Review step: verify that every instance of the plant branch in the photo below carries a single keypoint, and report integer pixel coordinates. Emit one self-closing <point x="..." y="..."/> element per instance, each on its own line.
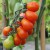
<point x="39" y="23"/>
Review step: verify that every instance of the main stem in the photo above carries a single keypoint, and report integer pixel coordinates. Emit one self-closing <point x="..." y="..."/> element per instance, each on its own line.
<point x="39" y="23"/>
<point x="7" y="12"/>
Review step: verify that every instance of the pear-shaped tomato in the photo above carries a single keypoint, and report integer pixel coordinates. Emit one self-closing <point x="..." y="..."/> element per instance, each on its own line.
<point x="17" y="40"/>
<point x="8" y="43"/>
<point x="32" y="6"/>
<point x="31" y="16"/>
<point x="27" y="25"/>
<point x="6" y="30"/>
<point x="22" y="33"/>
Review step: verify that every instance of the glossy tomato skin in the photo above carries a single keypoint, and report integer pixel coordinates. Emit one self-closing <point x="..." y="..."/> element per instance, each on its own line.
<point x="27" y="25"/>
<point x="33" y="6"/>
<point x="22" y="33"/>
<point x="23" y="42"/>
<point x="31" y="16"/>
<point x="30" y="32"/>
<point x="6" y="31"/>
<point x="17" y="40"/>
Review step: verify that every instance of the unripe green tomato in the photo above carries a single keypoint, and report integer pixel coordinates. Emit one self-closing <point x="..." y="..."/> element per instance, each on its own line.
<point x="8" y="43"/>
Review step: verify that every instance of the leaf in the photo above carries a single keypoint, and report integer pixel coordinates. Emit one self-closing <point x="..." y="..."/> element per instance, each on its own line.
<point x="26" y="1"/>
<point x="0" y="40"/>
<point x="12" y="4"/>
<point x="0" y="17"/>
<point x="17" y="48"/>
<point x="18" y="6"/>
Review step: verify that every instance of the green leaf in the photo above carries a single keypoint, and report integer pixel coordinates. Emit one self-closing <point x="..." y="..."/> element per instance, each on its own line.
<point x="0" y="40"/>
<point x="17" y="48"/>
<point x="26" y="1"/>
<point x="12" y="4"/>
<point x="18" y="6"/>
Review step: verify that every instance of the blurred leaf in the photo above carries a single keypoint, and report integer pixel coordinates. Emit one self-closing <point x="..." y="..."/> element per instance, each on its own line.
<point x="0" y="40"/>
<point x="26" y="1"/>
<point x="0" y="17"/>
<point x="12" y="4"/>
<point x="47" y="1"/>
<point x="17" y="48"/>
<point x="18" y="6"/>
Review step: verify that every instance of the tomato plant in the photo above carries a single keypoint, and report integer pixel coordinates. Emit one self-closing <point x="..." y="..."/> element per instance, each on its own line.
<point x="22" y="25"/>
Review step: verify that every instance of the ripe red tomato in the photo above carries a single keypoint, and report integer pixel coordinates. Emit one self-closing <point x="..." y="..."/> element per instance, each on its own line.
<point x="23" y="42"/>
<point x="17" y="40"/>
<point x="31" y="16"/>
<point x="27" y="25"/>
<point x="6" y="30"/>
<point x="22" y="33"/>
<point x="33" y="6"/>
<point x="30" y="32"/>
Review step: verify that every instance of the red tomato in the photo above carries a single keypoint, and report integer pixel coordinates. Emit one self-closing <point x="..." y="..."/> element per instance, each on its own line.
<point x="27" y="25"/>
<point x="22" y="33"/>
<point x="23" y="42"/>
<point x="33" y="6"/>
<point x="31" y="16"/>
<point x="30" y="32"/>
<point x="6" y="30"/>
<point x="17" y="40"/>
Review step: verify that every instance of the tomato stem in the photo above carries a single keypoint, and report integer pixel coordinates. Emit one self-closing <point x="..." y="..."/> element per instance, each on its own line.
<point x="42" y="8"/>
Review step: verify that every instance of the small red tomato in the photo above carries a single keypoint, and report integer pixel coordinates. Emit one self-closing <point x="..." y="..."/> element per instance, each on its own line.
<point x="27" y="25"/>
<point x="30" y="32"/>
<point x="23" y="42"/>
<point x="17" y="40"/>
<point x="6" y="30"/>
<point x="22" y="33"/>
<point x="31" y="16"/>
<point x="33" y="6"/>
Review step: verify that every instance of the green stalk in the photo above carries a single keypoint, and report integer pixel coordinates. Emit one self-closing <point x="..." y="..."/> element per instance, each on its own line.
<point x="39" y="23"/>
<point x="7" y="12"/>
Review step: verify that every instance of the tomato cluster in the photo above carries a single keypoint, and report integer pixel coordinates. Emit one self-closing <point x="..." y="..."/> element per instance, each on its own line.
<point x="27" y="24"/>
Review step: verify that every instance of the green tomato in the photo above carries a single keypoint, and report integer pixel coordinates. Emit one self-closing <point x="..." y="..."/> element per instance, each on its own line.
<point x="8" y="43"/>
